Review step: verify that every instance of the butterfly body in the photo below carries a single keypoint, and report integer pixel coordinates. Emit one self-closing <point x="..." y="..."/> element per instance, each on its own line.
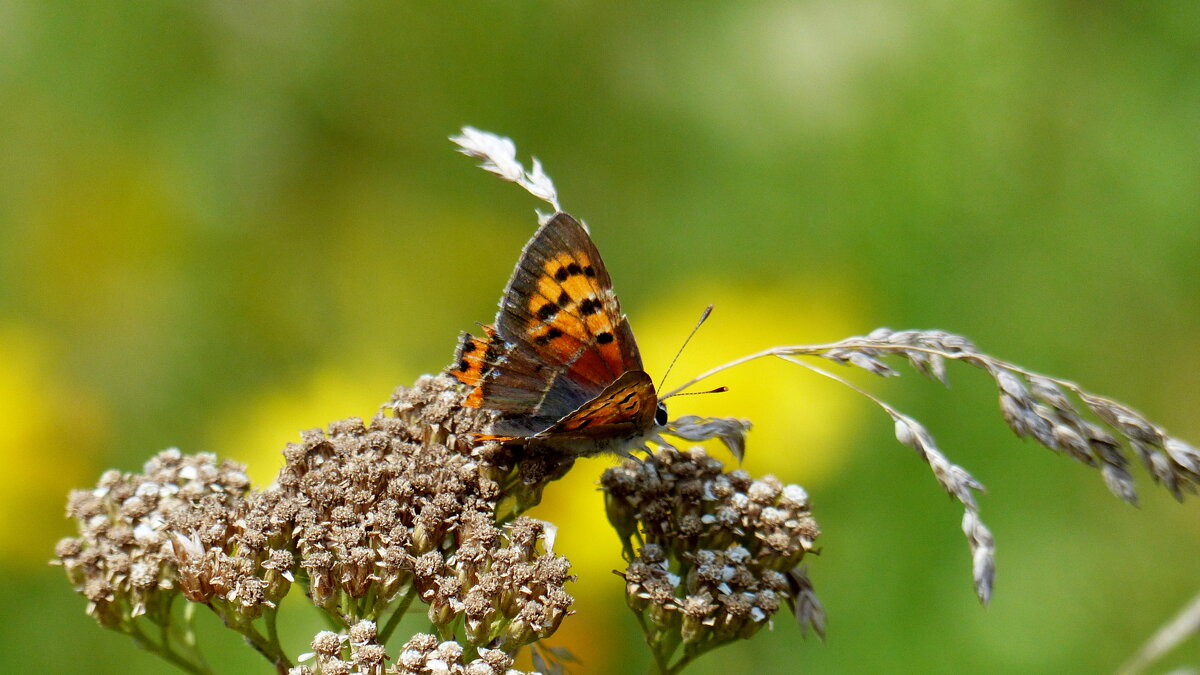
<point x="560" y="364"/>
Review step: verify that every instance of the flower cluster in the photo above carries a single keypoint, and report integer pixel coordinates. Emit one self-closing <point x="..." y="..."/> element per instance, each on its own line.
<point x="432" y="412"/>
<point x="359" y="652"/>
<point x="123" y="559"/>
<point x="384" y="519"/>
<point x="367" y="518"/>
<point x="717" y="553"/>
<point x="133" y="530"/>
<point x="424" y="654"/>
<point x="356" y="651"/>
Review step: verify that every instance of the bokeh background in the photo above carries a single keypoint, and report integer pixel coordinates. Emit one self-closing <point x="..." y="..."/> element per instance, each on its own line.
<point x="225" y="222"/>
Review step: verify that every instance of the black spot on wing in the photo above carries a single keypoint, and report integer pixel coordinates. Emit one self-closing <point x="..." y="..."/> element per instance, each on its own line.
<point x="589" y="306"/>
<point x="560" y="250"/>
<point x="495" y="349"/>
<point x="549" y="335"/>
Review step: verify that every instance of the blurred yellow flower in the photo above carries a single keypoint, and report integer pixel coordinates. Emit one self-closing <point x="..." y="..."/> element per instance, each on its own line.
<point x="256" y="431"/>
<point x="48" y="441"/>
<point x="801" y="421"/>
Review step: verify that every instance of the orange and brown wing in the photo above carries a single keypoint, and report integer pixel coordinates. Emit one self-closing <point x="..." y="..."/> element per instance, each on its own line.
<point x="560" y="307"/>
<point x="498" y="378"/>
<point x="473" y="360"/>
<point x="624" y="408"/>
<point x="560" y="338"/>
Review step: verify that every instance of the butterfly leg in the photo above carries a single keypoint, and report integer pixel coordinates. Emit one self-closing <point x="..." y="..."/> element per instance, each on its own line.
<point x="627" y="453"/>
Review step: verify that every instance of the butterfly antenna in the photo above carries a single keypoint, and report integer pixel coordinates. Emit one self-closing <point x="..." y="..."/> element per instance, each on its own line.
<point x="703" y="318"/>
<point x="717" y="390"/>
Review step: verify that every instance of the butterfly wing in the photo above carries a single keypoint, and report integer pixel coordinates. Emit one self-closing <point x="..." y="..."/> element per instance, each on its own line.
<point x="479" y="362"/>
<point x="625" y="408"/>
<point x="559" y="339"/>
<point x="560" y="305"/>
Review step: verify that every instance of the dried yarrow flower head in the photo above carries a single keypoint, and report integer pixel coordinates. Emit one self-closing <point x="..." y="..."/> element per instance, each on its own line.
<point x="712" y="554"/>
<point x="359" y="652"/>
<point x="405" y="509"/>
<point x="356" y="651"/>
<point x="126" y="560"/>
<point x="238" y="562"/>
<point x="423" y="653"/>
<point x="433" y="410"/>
<point x="368" y="518"/>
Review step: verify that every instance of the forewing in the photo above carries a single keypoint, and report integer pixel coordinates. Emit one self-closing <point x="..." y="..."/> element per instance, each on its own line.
<point x="563" y="338"/>
<point x="561" y="303"/>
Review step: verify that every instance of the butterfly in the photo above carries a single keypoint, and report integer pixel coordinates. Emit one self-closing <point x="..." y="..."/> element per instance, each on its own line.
<point x="560" y="364"/>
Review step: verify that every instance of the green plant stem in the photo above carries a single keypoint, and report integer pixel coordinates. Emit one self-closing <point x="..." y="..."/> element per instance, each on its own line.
<point x="164" y="650"/>
<point x="660" y="660"/>
<point x="367" y="609"/>
<point x="272" y="651"/>
<point x="185" y="636"/>
<point x="332" y="620"/>
<point x="690" y="653"/>
<point x="269" y="648"/>
<point x="269" y="617"/>
<point x="401" y="607"/>
<point x="470" y="652"/>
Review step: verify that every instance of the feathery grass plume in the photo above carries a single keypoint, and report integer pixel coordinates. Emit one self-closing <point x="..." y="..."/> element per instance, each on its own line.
<point x="730" y="431"/>
<point x="712" y="554"/>
<point x="499" y="156"/>
<point x="1033" y="405"/>
<point x="1041" y="407"/>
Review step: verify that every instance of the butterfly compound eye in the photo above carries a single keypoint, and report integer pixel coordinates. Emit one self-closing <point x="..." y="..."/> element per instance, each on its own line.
<point x="660" y="415"/>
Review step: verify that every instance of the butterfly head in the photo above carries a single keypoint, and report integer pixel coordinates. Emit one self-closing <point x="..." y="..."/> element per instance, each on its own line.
<point x="660" y="414"/>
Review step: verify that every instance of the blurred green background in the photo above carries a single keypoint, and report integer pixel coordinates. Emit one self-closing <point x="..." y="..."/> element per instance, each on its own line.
<point x="225" y="222"/>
